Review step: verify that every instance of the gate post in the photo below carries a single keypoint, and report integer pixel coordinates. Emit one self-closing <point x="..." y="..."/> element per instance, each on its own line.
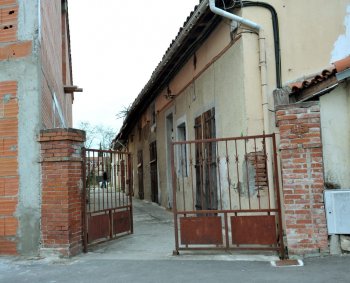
<point x="303" y="180"/>
<point x="62" y="184"/>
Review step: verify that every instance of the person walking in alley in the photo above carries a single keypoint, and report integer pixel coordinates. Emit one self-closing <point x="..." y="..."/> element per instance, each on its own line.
<point x="104" y="181"/>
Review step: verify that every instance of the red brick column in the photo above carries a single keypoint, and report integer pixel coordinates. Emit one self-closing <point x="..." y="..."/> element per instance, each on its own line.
<point x="61" y="220"/>
<point x="302" y="175"/>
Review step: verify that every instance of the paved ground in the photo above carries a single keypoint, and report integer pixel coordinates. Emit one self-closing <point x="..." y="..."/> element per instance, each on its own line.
<point x="146" y="256"/>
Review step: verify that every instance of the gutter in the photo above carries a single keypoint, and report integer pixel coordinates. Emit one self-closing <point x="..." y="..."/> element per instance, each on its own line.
<point x="148" y="92"/>
<point x="262" y="56"/>
<point x="232" y="17"/>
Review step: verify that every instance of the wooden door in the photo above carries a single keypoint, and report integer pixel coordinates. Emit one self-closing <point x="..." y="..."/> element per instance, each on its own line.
<point x="140" y="173"/>
<point x="206" y="176"/>
<point x="153" y="171"/>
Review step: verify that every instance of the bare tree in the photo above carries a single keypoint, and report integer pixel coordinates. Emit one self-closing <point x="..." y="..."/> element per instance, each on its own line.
<point x="105" y="135"/>
<point x="97" y="135"/>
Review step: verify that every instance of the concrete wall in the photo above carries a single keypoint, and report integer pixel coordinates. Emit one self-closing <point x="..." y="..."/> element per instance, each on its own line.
<point x="21" y="67"/>
<point x="30" y="64"/>
<point x="335" y="109"/>
<point x="307" y="45"/>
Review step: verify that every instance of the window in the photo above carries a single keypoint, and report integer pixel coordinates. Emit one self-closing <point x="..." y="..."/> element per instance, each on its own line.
<point x="139" y="130"/>
<point x="182" y="150"/>
<point x="153" y="114"/>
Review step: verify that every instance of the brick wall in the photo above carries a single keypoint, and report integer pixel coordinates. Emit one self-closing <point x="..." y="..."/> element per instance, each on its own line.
<point x="8" y="167"/>
<point x="61" y="222"/>
<point x="8" y="20"/>
<point x="55" y="57"/>
<point x="10" y="47"/>
<point x="302" y="174"/>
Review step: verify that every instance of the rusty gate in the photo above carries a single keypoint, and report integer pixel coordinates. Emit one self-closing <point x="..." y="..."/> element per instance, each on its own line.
<point x="107" y="192"/>
<point x="226" y="194"/>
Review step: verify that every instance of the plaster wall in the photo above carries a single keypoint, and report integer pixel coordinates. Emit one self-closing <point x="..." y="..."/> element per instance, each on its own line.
<point x="217" y="84"/>
<point x="309" y="32"/>
<point x="335" y="119"/>
<point x="26" y="72"/>
<point x="228" y="77"/>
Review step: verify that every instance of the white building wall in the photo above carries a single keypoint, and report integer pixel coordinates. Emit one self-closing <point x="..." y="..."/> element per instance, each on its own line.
<point x="335" y="121"/>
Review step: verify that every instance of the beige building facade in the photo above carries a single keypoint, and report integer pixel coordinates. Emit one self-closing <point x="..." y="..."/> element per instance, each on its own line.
<point x="227" y="71"/>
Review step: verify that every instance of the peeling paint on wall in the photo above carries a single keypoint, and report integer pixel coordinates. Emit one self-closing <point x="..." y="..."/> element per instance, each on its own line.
<point x="342" y="45"/>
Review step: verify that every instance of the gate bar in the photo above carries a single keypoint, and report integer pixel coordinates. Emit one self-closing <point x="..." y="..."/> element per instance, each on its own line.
<point x="277" y="188"/>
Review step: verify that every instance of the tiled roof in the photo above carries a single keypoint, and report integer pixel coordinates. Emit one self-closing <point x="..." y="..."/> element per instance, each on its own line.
<point x="337" y="67"/>
<point x="197" y="27"/>
<point x="139" y="97"/>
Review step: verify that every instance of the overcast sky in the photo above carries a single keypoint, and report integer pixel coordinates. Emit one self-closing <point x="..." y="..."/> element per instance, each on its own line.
<point x="116" y="45"/>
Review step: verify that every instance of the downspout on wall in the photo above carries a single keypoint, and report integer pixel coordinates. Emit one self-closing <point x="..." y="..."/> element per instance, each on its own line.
<point x="262" y="56"/>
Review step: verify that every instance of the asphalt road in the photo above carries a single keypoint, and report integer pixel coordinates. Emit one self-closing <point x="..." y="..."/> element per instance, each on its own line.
<point x="146" y="256"/>
<point x="328" y="269"/>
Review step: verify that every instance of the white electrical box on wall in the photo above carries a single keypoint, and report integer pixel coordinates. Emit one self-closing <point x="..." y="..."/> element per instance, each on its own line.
<point x="337" y="203"/>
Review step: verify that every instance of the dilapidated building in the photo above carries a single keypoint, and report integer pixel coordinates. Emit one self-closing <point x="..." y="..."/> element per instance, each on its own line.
<point x="203" y="130"/>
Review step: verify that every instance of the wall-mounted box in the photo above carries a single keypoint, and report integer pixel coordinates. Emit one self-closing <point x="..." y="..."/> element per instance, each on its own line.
<point x="337" y="204"/>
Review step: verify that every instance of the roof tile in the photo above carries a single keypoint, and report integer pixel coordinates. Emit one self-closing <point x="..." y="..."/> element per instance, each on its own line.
<point x="337" y="67"/>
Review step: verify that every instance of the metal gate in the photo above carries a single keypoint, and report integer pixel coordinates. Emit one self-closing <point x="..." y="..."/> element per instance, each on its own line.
<point x="107" y="209"/>
<point x="230" y="198"/>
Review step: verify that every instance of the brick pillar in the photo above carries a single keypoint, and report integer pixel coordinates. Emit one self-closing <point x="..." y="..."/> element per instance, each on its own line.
<point x="61" y="220"/>
<point x="302" y="175"/>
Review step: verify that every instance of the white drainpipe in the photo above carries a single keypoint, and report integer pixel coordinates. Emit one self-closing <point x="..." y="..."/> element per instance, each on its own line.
<point x="262" y="56"/>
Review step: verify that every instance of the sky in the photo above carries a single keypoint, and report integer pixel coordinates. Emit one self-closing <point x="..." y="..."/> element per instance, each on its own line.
<point x="115" y="47"/>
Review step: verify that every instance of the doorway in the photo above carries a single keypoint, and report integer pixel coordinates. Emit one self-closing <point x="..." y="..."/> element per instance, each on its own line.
<point x="205" y="166"/>
<point x="153" y="171"/>
<point x="169" y="140"/>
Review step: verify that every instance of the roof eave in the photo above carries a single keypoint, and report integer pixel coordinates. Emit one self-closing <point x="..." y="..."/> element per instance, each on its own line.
<point x="176" y="56"/>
